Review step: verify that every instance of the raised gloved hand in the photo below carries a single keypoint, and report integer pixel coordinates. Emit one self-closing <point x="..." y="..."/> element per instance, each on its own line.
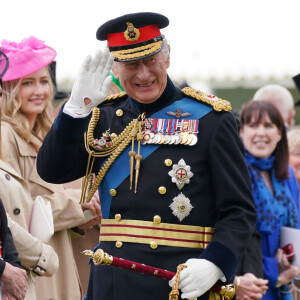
<point x="92" y="84"/>
<point x="199" y="276"/>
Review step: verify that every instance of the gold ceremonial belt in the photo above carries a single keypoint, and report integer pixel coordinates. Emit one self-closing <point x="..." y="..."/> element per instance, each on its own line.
<point x="153" y="234"/>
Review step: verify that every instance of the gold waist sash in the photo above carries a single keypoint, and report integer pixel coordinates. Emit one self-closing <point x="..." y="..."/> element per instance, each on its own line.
<point x="164" y="234"/>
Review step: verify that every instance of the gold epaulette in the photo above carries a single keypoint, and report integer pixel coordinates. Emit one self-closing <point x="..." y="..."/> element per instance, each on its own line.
<point x="115" y="96"/>
<point x="217" y="104"/>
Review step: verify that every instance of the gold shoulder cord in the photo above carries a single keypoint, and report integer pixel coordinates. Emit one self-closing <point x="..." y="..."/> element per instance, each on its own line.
<point x="218" y="104"/>
<point x="117" y="145"/>
<point x="115" y="96"/>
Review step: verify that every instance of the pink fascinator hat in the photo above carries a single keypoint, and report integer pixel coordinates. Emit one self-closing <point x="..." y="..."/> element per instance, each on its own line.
<point x="26" y="57"/>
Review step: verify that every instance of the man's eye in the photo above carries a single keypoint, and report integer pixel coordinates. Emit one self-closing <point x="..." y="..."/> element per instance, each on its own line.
<point x="131" y="64"/>
<point x="149" y="60"/>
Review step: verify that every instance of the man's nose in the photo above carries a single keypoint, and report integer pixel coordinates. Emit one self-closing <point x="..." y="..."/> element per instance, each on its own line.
<point x="143" y="71"/>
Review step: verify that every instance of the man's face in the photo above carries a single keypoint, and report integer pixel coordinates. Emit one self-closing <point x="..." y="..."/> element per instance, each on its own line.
<point x="144" y="80"/>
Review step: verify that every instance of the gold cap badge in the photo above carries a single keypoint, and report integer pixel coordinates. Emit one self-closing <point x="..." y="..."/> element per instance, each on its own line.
<point x="131" y="34"/>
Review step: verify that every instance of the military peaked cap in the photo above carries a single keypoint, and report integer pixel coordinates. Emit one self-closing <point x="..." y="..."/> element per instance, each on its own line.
<point x="133" y="36"/>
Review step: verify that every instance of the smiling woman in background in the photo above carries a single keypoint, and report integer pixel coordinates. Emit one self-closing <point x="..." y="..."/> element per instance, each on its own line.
<point x="263" y="133"/>
<point x="26" y="118"/>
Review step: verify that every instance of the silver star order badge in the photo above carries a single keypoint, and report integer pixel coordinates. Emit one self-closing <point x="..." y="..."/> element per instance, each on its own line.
<point x="181" y="206"/>
<point x="181" y="174"/>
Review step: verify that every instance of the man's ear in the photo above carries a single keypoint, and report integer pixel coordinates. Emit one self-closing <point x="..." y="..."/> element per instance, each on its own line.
<point x="290" y="119"/>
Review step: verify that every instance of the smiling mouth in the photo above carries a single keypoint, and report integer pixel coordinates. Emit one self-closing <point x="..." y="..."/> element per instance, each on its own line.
<point x="261" y="144"/>
<point x="36" y="100"/>
<point x="146" y="85"/>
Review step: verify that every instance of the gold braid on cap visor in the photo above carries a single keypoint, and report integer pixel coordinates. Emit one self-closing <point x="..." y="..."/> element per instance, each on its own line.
<point x="137" y="52"/>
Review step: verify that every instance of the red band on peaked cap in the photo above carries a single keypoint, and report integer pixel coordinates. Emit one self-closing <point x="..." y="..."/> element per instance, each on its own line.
<point x="146" y="33"/>
<point x="139" y="20"/>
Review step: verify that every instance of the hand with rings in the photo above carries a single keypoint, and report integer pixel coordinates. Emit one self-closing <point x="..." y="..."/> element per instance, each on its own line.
<point x="287" y="272"/>
<point x="250" y="287"/>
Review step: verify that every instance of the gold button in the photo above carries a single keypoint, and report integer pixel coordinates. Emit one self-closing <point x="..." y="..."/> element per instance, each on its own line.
<point x="119" y="244"/>
<point x="156" y="219"/>
<point x="113" y="192"/>
<point x="119" y="112"/>
<point x="168" y="162"/>
<point x="162" y="190"/>
<point x="118" y="217"/>
<point x="153" y="244"/>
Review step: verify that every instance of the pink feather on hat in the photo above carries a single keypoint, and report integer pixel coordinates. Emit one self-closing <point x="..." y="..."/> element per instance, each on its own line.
<point x="26" y="57"/>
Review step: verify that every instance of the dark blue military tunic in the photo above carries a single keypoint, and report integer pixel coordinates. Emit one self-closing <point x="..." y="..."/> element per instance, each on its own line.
<point x="219" y="192"/>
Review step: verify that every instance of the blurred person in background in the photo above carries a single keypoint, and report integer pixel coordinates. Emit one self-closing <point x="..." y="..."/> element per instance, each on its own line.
<point x="281" y="98"/>
<point x="13" y="279"/>
<point x="26" y="118"/>
<point x="294" y="150"/>
<point x="293" y="136"/>
<point x="264" y="135"/>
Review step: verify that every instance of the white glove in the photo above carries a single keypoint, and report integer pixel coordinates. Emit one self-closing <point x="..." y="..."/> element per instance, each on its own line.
<point x="199" y="276"/>
<point x="92" y="84"/>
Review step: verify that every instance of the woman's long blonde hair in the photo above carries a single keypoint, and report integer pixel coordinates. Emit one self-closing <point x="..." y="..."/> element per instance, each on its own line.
<point x="11" y="113"/>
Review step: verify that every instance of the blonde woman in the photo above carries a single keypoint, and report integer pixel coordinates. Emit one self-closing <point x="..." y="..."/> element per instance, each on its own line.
<point x="26" y="118"/>
<point x="293" y="136"/>
<point x="13" y="279"/>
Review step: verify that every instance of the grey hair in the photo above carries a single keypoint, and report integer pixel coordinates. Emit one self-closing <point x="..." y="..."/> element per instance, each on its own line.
<point x="278" y="96"/>
<point x="166" y="48"/>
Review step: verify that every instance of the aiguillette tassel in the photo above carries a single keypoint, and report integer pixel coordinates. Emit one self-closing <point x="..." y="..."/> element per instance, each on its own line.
<point x="138" y="157"/>
<point x="132" y="154"/>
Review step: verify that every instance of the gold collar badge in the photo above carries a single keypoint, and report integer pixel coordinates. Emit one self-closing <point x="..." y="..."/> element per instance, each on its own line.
<point x="131" y="34"/>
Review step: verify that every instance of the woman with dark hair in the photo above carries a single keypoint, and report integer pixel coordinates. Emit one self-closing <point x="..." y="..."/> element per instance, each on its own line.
<point x="263" y="133"/>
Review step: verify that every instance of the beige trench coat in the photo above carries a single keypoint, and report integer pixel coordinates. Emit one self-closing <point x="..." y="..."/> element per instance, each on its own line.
<point x="90" y="241"/>
<point x="17" y="201"/>
<point x="67" y="214"/>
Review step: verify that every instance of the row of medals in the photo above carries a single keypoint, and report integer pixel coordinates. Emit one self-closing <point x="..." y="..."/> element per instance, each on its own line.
<point x="175" y="138"/>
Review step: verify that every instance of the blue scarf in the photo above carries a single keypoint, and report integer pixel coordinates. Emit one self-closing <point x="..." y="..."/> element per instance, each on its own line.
<point x="273" y="210"/>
